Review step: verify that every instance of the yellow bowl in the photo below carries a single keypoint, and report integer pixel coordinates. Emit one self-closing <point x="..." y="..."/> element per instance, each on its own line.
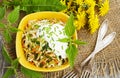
<point x="19" y="50"/>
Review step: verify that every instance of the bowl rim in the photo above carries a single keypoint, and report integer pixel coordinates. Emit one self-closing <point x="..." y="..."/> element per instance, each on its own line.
<point x="19" y="49"/>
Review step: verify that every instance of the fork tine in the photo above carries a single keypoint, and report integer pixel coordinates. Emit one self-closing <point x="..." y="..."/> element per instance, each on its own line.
<point x="82" y="75"/>
<point x="71" y="74"/>
<point x="87" y="74"/>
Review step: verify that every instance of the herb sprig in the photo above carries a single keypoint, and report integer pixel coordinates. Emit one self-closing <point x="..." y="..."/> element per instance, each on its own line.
<point x="13" y="67"/>
<point x="8" y="28"/>
<point x="72" y="50"/>
<point x="2" y="12"/>
<point x="30" y="6"/>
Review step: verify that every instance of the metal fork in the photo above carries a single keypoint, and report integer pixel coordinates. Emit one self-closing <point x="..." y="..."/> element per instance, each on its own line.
<point x="101" y="43"/>
<point x="71" y="74"/>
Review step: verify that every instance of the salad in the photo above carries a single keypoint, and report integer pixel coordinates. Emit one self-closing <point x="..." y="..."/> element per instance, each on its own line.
<point x="41" y="45"/>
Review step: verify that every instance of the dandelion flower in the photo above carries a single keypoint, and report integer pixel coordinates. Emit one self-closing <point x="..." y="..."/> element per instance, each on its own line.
<point x="81" y="20"/>
<point x="76" y="24"/>
<point x="93" y="24"/>
<point x="99" y="0"/>
<point x="69" y="3"/>
<point x="104" y="8"/>
<point x="90" y="2"/>
<point x="80" y="9"/>
<point x="91" y="8"/>
<point x="90" y="11"/>
<point x="86" y="12"/>
<point x="79" y="2"/>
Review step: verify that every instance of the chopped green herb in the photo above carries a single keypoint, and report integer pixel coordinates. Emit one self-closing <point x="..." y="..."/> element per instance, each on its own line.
<point x="37" y="42"/>
<point x="36" y="26"/>
<point x="60" y="32"/>
<point x="55" y="28"/>
<point x="62" y="47"/>
<point x="48" y="36"/>
<point x="34" y="40"/>
<point x="52" y="39"/>
<point x="45" y="47"/>
<point x="47" y="29"/>
<point x="53" y="45"/>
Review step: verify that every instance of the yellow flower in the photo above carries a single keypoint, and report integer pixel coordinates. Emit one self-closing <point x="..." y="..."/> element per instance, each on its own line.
<point x="91" y="8"/>
<point x="69" y="3"/>
<point x="80" y="9"/>
<point x="85" y="12"/>
<point x="81" y="20"/>
<point x="100" y="0"/>
<point x="104" y="8"/>
<point x="91" y="11"/>
<point x="90" y="2"/>
<point x="69" y="7"/>
<point x="79" y="2"/>
<point x="93" y="24"/>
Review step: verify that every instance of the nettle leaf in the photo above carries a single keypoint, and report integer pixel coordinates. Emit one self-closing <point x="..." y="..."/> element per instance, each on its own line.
<point x="6" y="55"/>
<point x="2" y="12"/>
<point x="78" y="42"/>
<point x="9" y="72"/>
<point x="71" y="52"/>
<point x="15" y="63"/>
<point x="13" y="29"/>
<point x="69" y="27"/>
<point x="30" y="74"/>
<point x="41" y="5"/>
<point x="64" y="40"/>
<point x="2" y="25"/>
<point x="15" y="3"/>
<point x="7" y="36"/>
<point x="14" y="15"/>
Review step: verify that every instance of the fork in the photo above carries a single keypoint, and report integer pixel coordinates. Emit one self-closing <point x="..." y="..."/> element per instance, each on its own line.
<point x="71" y="74"/>
<point x="101" y="43"/>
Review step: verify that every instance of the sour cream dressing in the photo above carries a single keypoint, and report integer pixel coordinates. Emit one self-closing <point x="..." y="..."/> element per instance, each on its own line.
<point x="52" y="33"/>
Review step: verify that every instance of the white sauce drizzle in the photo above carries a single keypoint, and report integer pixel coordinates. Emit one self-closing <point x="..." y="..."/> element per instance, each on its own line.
<point x="52" y="33"/>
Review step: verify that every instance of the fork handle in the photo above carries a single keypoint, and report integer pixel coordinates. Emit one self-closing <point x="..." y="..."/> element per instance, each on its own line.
<point x="88" y="59"/>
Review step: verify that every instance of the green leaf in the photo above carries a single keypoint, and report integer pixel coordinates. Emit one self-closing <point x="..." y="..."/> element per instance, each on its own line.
<point x="7" y="36"/>
<point x="9" y="72"/>
<point x="78" y="42"/>
<point x="6" y="56"/>
<point x="69" y="27"/>
<point x="2" y="12"/>
<point x="71" y="52"/>
<point x="2" y="25"/>
<point x="41" y="5"/>
<point x="30" y="74"/>
<point x="13" y="29"/>
<point x="15" y="63"/>
<point x="6" y="3"/>
<point x="64" y="40"/>
<point x="15" y="3"/>
<point x="14" y="15"/>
